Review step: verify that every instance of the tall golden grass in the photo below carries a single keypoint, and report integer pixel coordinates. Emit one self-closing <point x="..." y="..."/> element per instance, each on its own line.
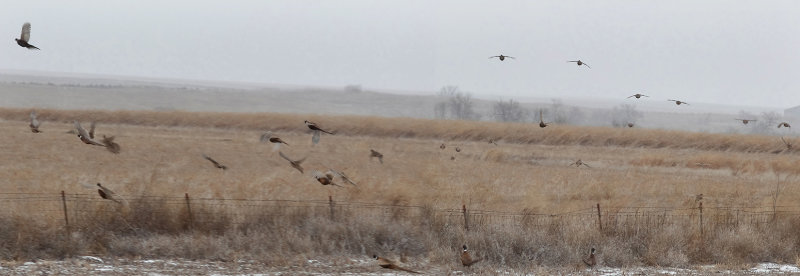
<point x="528" y="171"/>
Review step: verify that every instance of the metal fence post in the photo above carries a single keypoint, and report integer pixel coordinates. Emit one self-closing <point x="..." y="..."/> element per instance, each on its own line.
<point x="64" y="205"/>
<point x="189" y="210"/>
<point x="701" y="219"/>
<point x="599" y="218"/>
<point x="466" y="216"/>
<point x="331" y="206"/>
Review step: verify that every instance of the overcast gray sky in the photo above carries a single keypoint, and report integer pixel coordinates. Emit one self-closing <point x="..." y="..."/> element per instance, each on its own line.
<point x="727" y="52"/>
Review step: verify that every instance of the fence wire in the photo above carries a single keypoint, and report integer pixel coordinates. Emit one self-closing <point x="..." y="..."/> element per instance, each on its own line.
<point x="77" y="207"/>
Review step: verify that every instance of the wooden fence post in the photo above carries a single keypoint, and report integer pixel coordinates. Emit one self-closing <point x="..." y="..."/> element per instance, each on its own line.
<point x="466" y="216"/>
<point x="331" y="205"/>
<point x="599" y="219"/>
<point x="64" y="205"/>
<point x="189" y="210"/>
<point x="701" y="219"/>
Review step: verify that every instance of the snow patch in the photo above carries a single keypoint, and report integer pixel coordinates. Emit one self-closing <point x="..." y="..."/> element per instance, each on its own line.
<point x="92" y="258"/>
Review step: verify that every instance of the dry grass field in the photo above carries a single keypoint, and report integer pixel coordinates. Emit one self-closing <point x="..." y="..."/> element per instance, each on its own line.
<point x="526" y="172"/>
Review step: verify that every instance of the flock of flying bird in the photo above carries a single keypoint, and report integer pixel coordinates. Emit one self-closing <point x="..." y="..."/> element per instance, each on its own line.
<point x="326" y="178"/>
<point x="637" y="96"/>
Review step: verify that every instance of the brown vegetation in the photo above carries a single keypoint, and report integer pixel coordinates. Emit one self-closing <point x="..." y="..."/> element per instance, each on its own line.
<point x="632" y="170"/>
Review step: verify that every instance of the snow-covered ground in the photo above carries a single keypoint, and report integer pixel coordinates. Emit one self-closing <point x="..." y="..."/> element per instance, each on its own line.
<point x="89" y="265"/>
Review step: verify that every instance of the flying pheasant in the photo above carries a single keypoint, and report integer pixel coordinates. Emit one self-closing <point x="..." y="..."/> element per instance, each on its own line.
<point x="373" y="154"/>
<point x="745" y="121"/>
<point x="384" y="263"/>
<point x="325" y="178"/>
<point x="579" y="62"/>
<point x="313" y="126"/>
<point x="502" y="57"/>
<point x="677" y="102"/>
<point x="579" y="163"/>
<point x="216" y="164"/>
<point x="342" y="175"/>
<point x="268" y="137"/>
<point x="111" y="146"/>
<point x="630" y="124"/>
<point x="637" y="95"/>
<point x="295" y="163"/>
<point x="23" y="39"/>
<point x="85" y="136"/>
<point x="34" y="123"/>
<point x="542" y="124"/>
<point x="466" y="259"/>
<point x="783" y="124"/>
<point x="105" y="193"/>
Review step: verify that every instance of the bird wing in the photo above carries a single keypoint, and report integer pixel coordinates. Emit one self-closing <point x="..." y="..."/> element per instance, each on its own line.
<point x="91" y="129"/>
<point x="315" y="137"/>
<point x="587" y="65"/>
<point x="81" y="131"/>
<point x="494" y="57"/>
<point x="631" y="96"/>
<point x="111" y="146"/>
<point x="284" y="156"/>
<point x="672" y="100"/>
<point x="572" y="61"/>
<point x="26" y="32"/>
<point x="343" y="176"/>
<point x="510" y="57"/>
<point x="211" y="159"/>
<point x="34" y="121"/>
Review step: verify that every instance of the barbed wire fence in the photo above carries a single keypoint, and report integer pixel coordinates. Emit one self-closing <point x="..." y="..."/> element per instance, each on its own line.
<point x="75" y="209"/>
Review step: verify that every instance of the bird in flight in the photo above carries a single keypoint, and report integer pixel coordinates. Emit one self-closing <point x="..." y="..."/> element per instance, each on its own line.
<point x="579" y="62"/>
<point x="637" y="95"/>
<point x="343" y="176"/>
<point x="630" y="124"/>
<point x="677" y="102"/>
<point x="268" y="137"/>
<point x="313" y="126"/>
<point x="34" y="123"/>
<point x="466" y="259"/>
<point x="295" y="163"/>
<point x="216" y="164"/>
<point x="784" y="124"/>
<point x="746" y="121"/>
<point x="325" y="178"/>
<point x="502" y="57"/>
<point x="542" y="124"/>
<point x="375" y="154"/>
<point x="385" y="263"/>
<point x="111" y="146"/>
<point x="85" y="136"/>
<point x="23" y="39"/>
<point x="105" y="193"/>
<point x="579" y="163"/>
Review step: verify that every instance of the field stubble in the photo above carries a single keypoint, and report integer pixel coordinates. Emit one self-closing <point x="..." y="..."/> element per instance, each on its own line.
<point x="527" y="172"/>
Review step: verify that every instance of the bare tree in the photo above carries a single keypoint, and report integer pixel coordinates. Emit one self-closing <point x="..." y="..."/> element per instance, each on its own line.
<point x="562" y="114"/>
<point x="455" y="104"/>
<point x="509" y="111"/>
<point x="623" y="114"/>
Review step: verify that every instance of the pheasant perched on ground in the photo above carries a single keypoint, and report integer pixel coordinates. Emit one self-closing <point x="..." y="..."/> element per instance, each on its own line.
<point x="466" y="259"/>
<point x="384" y="263"/>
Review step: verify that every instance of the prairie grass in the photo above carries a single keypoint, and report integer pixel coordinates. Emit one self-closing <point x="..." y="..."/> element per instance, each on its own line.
<point x="527" y="172"/>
